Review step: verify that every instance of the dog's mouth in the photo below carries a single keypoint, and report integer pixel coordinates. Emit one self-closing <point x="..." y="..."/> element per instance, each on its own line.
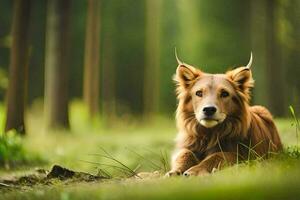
<point x="209" y="122"/>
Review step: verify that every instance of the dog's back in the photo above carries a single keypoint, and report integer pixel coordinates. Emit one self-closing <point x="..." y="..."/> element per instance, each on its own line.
<point x="263" y="133"/>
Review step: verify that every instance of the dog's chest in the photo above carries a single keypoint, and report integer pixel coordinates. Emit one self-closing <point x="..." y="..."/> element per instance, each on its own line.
<point x="222" y="146"/>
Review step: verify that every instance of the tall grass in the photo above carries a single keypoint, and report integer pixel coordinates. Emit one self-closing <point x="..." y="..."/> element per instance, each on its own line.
<point x="296" y="123"/>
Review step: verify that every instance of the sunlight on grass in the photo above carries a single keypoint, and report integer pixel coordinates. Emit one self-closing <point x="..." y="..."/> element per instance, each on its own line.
<point x="79" y="148"/>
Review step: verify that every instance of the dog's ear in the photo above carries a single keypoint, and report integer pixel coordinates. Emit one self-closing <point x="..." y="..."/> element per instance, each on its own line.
<point x="186" y="75"/>
<point x="242" y="78"/>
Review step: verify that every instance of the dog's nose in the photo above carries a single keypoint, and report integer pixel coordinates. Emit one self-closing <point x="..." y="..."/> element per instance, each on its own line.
<point x="209" y="110"/>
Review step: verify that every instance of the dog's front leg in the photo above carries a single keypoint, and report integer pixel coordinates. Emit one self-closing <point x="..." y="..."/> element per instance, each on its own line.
<point x="214" y="161"/>
<point x="181" y="161"/>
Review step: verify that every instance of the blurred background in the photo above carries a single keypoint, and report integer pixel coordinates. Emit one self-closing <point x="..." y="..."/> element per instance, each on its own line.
<point x="77" y="64"/>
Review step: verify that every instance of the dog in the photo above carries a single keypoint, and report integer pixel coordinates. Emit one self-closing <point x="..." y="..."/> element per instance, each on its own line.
<point x="216" y="125"/>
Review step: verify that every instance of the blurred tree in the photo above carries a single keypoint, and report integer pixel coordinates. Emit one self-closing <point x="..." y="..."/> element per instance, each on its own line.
<point x="77" y="39"/>
<point x="190" y="31"/>
<point x="19" y="58"/>
<point x="290" y="38"/>
<point x="56" y="64"/>
<point x="258" y="46"/>
<point x="109" y="87"/>
<point x="274" y="69"/>
<point x="37" y="53"/>
<point x="214" y="35"/>
<point x="168" y="64"/>
<point x="128" y="24"/>
<point x="91" y="58"/>
<point x="152" y="65"/>
<point x="109" y="63"/>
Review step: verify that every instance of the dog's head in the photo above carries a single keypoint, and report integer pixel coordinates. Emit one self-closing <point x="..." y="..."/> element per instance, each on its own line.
<point x="213" y="97"/>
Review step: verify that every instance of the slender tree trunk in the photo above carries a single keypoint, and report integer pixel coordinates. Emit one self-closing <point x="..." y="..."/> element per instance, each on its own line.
<point x="258" y="44"/>
<point x="292" y="51"/>
<point x="109" y="87"/>
<point x="91" y="58"/>
<point x="189" y="23"/>
<point x="19" y="58"/>
<point x="275" y="72"/>
<point x="57" y="63"/>
<point x="109" y="66"/>
<point x="151" y="76"/>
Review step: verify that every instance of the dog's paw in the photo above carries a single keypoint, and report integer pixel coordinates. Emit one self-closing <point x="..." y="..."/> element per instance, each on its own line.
<point x="195" y="172"/>
<point x="173" y="173"/>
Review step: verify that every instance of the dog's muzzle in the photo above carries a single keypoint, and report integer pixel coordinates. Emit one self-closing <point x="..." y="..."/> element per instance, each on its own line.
<point x="210" y="116"/>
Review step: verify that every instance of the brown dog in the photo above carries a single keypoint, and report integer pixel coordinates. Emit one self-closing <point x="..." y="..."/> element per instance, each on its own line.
<point x="216" y="124"/>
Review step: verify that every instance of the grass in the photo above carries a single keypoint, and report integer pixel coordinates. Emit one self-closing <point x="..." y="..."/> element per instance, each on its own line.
<point x="12" y="152"/>
<point x="11" y="149"/>
<point x="146" y="147"/>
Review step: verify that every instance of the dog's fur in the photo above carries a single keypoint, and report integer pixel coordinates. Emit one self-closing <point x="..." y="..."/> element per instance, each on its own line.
<point x="237" y="130"/>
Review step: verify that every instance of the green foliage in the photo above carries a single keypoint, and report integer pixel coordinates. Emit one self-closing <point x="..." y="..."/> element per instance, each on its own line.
<point x="292" y="152"/>
<point x="11" y="149"/>
<point x="13" y="153"/>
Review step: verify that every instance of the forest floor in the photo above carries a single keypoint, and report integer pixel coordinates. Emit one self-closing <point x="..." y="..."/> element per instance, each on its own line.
<point x="105" y="163"/>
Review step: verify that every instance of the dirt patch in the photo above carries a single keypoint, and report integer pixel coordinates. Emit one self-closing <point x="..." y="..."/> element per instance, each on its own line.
<point x="57" y="174"/>
<point x="63" y="174"/>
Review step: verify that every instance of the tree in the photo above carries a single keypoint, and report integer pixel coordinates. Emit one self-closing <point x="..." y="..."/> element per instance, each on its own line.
<point x="152" y="66"/>
<point x="19" y="58"/>
<point x="290" y="39"/>
<point x="189" y="25"/>
<point x="258" y="46"/>
<point x="57" y="63"/>
<point x="91" y="58"/>
<point x="109" y="63"/>
<point x="268" y="56"/>
<point x="274" y="69"/>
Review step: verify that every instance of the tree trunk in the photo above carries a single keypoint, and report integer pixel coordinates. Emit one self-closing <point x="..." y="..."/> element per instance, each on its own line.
<point x="190" y="33"/>
<point x="91" y="58"/>
<point x="109" y="87"/>
<point x="291" y="42"/>
<point x="258" y="45"/>
<point x="56" y="64"/>
<point x="109" y="66"/>
<point x="19" y="58"/>
<point x="275" y="72"/>
<point x="151" y="76"/>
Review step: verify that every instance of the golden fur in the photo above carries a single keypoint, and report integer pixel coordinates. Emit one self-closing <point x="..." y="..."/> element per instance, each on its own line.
<point x="247" y="132"/>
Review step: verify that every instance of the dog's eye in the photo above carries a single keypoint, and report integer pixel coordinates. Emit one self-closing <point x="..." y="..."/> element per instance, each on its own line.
<point x="224" y="94"/>
<point x="199" y="93"/>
